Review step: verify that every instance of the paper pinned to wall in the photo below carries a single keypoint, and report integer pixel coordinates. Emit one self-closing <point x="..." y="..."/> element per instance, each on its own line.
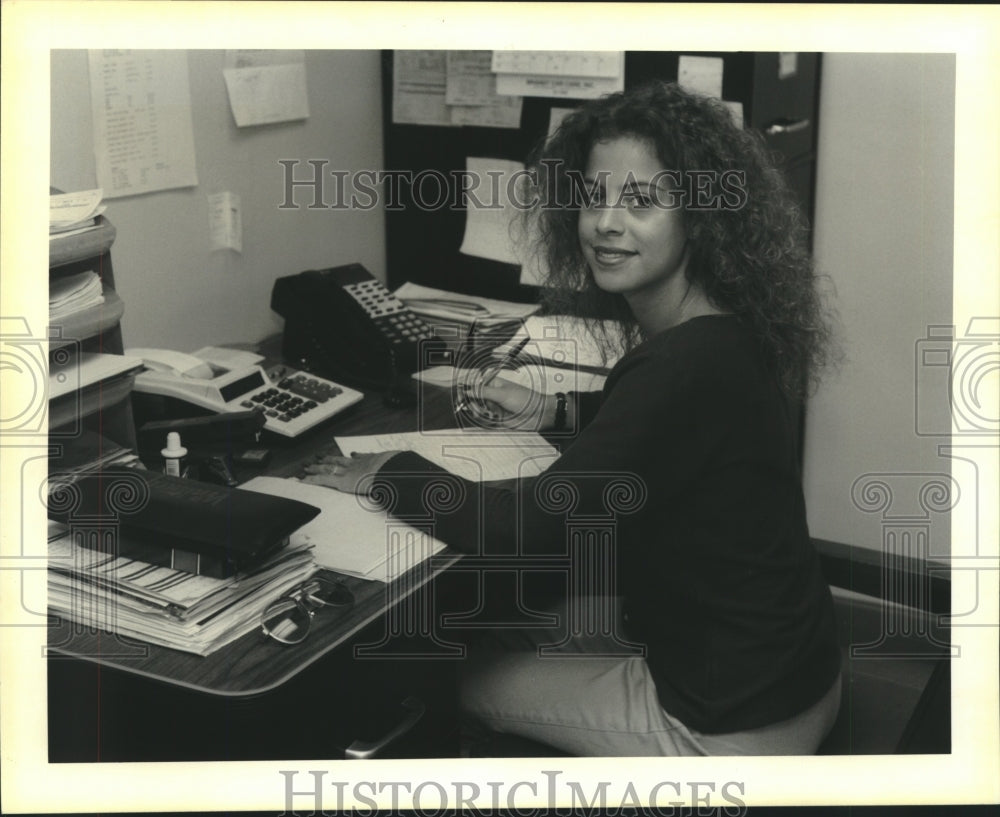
<point x="559" y="87"/>
<point x="468" y="78"/>
<point x="225" y="222"/>
<point x="700" y="75"/>
<point x="494" y="228"/>
<point x="258" y="57"/>
<point x="471" y="93"/>
<point x="608" y="64"/>
<point x="490" y="215"/>
<point x="419" y="87"/>
<point x="266" y="86"/>
<point x="141" y="106"/>
<point x="788" y="64"/>
<point x="735" y="111"/>
<point x="502" y="112"/>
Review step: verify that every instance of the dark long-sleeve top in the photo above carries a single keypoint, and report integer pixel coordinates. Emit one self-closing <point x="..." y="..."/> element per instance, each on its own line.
<point x="715" y="566"/>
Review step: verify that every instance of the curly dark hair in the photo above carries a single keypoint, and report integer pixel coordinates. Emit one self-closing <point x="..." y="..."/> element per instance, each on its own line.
<point x="750" y="256"/>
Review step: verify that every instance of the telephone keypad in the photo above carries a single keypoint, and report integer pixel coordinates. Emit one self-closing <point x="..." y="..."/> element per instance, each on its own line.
<point x="389" y="313"/>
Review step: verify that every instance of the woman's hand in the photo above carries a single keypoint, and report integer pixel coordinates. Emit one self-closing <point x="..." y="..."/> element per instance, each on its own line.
<point x="514" y="406"/>
<point x="347" y="474"/>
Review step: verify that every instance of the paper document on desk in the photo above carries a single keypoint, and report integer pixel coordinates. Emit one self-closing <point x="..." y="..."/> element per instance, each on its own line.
<point x="350" y="535"/>
<point x="567" y="340"/>
<point x="440" y="303"/>
<point x="476" y="455"/>
<point x="539" y="378"/>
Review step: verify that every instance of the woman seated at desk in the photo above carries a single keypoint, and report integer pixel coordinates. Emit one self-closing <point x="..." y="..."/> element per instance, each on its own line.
<point x="687" y="235"/>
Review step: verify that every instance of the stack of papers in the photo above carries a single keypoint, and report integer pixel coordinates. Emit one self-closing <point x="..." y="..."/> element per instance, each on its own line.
<point x="73" y="293"/>
<point x="77" y="371"/>
<point x="439" y="303"/>
<point x="172" y="608"/>
<point x="566" y="340"/>
<point x="74" y="212"/>
<point x="88" y="452"/>
<point x="350" y="535"/>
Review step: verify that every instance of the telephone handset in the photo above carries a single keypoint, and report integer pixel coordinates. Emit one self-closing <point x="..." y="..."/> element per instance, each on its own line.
<point x="227" y="380"/>
<point x="344" y="324"/>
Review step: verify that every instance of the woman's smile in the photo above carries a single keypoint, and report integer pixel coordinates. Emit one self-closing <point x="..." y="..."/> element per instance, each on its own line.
<point x="611" y="256"/>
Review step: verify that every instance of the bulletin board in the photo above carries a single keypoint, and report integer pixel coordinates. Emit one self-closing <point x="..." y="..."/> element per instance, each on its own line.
<point x="423" y="243"/>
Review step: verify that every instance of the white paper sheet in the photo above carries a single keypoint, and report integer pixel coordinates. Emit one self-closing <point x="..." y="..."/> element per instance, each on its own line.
<point x="225" y="222"/>
<point x="558" y="87"/>
<point x="545" y="380"/>
<point x="700" y="75"/>
<point x="419" y="80"/>
<point x="257" y="57"/>
<point x="69" y="209"/>
<point x="788" y="64"/>
<point x="459" y="306"/>
<point x="502" y="112"/>
<point x="349" y="535"/>
<point x="565" y="339"/>
<point x="736" y="111"/>
<point x="471" y="93"/>
<point x="488" y="228"/>
<point x="263" y="95"/>
<point x="479" y="456"/>
<point x="72" y="293"/>
<point x="141" y="106"/>
<point x="77" y="371"/>
<point x="607" y="64"/>
<point x="468" y="78"/>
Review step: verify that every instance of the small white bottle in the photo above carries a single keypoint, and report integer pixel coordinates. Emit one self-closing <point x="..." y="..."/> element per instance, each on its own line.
<point x="173" y="455"/>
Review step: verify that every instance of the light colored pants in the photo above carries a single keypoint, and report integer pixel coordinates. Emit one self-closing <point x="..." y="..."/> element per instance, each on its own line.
<point x="606" y="705"/>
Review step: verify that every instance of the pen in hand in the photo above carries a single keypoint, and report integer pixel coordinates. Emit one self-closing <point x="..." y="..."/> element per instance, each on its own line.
<point x="489" y="373"/>
<point x="504" y="362"/>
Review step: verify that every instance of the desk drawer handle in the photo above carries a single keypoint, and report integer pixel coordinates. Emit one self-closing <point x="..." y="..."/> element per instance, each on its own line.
<point x="362" y="749"/>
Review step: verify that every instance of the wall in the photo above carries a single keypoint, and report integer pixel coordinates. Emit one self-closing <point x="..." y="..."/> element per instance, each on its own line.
<point x="884" y="235"/>
<point x="161" y="254"/>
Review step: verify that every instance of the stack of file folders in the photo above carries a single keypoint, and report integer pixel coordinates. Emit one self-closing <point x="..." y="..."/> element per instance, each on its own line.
<point x="74" y="293"/>
<point x="171" y="561"/>
<point x="76" y="212"/>
<point x="161" y="605"/>
<point x="86" y="453"/>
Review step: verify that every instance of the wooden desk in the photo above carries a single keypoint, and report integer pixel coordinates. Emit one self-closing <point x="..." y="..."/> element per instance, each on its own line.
<point x="246" y="669"/>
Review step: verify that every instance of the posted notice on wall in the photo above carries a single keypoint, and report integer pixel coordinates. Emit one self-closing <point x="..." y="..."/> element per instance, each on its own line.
<point x="419" y="85"/>
<point x="141" y="105"/>
<point x="471" y="92"/>
<point x="266" y="86"/>
<point x="493" y="225"/>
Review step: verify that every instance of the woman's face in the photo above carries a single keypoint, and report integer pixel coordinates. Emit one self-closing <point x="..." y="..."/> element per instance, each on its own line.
<point x="633" y="241"/>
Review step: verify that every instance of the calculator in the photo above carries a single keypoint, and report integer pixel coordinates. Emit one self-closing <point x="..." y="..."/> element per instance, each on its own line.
<point x="296" y="401"/>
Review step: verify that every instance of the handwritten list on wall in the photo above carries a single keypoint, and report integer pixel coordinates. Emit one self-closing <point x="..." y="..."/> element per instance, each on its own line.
<point x="141" y="105"/>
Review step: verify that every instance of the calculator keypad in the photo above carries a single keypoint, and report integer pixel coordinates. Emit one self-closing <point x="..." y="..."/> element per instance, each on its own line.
<point x="299" y="401"/>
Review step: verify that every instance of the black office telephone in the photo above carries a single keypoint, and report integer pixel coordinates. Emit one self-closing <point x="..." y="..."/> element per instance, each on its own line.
<point x="345" y="325"/>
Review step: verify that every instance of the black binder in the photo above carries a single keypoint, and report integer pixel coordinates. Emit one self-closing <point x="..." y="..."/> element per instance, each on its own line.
<point x="193" y="526"/>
